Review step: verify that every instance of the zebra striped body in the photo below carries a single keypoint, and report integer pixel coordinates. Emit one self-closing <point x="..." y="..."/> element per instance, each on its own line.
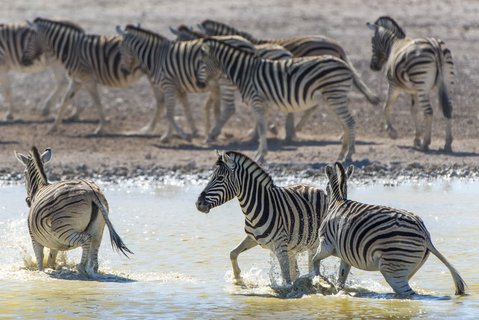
<point x="299" y="46"/>
<point x="284" y="220"/>
<point x="13" y="38"/>
<point x="374" y="238"/>
<point x="288" y="86"/>
<point x="414" y="66"/>
<point x="65" y="215"/>
<point x="89" y="59"/>
<point x="265" y="51"/>
<point x="175" y="67"/>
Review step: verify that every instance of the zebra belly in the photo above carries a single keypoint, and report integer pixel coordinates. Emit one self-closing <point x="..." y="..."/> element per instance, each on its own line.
<point x="285" y="106"/>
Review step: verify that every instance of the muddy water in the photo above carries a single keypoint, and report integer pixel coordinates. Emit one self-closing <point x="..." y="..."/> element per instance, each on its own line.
<point x="181" y="267"/>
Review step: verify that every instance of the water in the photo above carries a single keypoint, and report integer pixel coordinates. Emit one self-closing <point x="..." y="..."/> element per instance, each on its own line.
<point x="181" y="266"/>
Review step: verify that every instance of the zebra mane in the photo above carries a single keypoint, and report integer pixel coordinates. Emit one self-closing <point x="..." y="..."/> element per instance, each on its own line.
<point x="36" y="165"/>
<point x="235" y="42"/>
<point x="249" y="165"/>
<point x="337" y="178"/>
<point x="145" y="33"/>
<point x="190" y="32"/>
<point x="64" y="23"/>
<point x="219" y="28"/>
<point x="391" y="25"/>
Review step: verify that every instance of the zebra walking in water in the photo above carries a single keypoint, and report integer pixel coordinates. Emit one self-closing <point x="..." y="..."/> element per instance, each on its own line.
<point x="288" y="86"/>
<point x="175" y="67"/>
<point x="65" y="215"/>
<point x="265" y="51"/>
<point x="89" y="59"/>
<point x="13" y="38"/>
<point x="284" y="220"/>
<point x="299" y="46"/>
<point x="415" y="66"/>
<point x="373" y="237"/>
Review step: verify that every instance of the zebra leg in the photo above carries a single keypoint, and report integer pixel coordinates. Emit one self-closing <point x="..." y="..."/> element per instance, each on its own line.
<point x="189" y="116"/>
<point x="38" y="250"/>
<point x="54" y="97"/>
<point x="325" y="250"/>
<point x="339" y="104"/>
<point x="247" y="243"/>
<point x="414" y="113"/>
<point x="7" y="93"/>
<point x="170" y="97"/>
<point x="398" y="280"/>
<point x="425" y="103"/>
<point x="160" y="107"/>
<point x="283" y="259"/>
<point x="289" y="128"/>
<point x="73" y="87"/>
<point x="93" y="90"/>
<point x="293" y="267"/>
<point x="344" y="269"/>
<point x="393" y="94"/>
<point x="212" y="104"/>
<point x="227" y="93"/>
<point x="52" y="257"/>
<point x="306" y="115"/>
<point x="261" y="125"/>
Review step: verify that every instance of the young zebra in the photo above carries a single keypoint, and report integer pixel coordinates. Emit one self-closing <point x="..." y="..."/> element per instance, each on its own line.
<point x="89" y="59"/>
<point x="299" y="46"/>
<point x="265" y="51"/>
<point x="415" y="66"/>
<point x="65" y="215"/>
<point x="288" y="86"/>
<point x="175" y="67"/>
<point x="372" y="238"/>
<point x="284" y="220"/>
<point x="13" y="38"/>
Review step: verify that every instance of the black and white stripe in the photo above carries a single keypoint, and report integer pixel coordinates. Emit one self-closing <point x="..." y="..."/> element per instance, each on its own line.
<point x="65" y="215"/>
<point x="290" y="85"/>
<point x="89" y="59"/>
<point x="374" y="238"/>
<point x="13" y="38"/>
<point x="414" y="66"/>
<point x="284" y="220"/>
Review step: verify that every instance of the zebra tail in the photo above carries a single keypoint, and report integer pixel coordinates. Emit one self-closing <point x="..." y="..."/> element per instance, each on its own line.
<point x="117" y="244"/>
<point x="444" y="100"/>
<point x="358" y="83"/>
<point x="458" y="281"/>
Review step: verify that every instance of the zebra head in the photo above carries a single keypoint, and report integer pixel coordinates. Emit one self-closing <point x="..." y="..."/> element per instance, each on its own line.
<point x="185" y="33"/>
<point x="337" y="188"/>
<point x="128" y="60"/>
<point x="222" y="187"/>
<point x="34" y="46"/>
<point x="386" y="31"/>
<point x="34" y="170"/>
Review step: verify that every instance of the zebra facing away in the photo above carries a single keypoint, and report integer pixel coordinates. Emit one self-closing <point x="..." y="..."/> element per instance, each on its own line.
<point x="89" y="60"/>
<point x="373" y="237"/>
<point x="415" y="66"/>
<point x="290" y="85"/>
<point x="174" y="67"/>
<point x="13" y="39"/>
<point x="65" y="215"/>
<point x="284" y="220"/>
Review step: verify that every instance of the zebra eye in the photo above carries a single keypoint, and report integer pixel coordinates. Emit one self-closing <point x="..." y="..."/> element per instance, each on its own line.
<point x="220" y="178"/>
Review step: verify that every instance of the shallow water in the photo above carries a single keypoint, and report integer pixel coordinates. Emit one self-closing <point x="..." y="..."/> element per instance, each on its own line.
<point x="181" y="266"/>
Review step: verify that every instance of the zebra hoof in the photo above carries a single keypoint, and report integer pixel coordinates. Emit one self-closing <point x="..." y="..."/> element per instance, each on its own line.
<point x="392" y="133"/>
<point x="447" y="149"/>
<point x="8" y="117"/>
<point x="52" y="129"/>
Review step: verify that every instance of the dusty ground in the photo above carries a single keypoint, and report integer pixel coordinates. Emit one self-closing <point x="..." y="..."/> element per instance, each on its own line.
<point x="78" y="152"/>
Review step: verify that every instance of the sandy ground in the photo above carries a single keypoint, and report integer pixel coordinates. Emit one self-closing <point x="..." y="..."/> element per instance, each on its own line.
<point x="77" y="152"/>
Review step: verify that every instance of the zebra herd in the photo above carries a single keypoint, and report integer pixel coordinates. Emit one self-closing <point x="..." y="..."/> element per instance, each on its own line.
<point x="289" y="75"/>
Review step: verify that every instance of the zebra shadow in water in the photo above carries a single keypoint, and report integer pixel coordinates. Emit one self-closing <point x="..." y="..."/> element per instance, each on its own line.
<point x="66" y="273"/>
<point x="441" y="152"/>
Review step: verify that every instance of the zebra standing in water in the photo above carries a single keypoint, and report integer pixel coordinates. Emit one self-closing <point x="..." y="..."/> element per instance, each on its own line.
<point x="288" y="86"/>
<point x="415" y="66"/>
<point x="13" y="38"/>
<point x="373" y="237"/>
<point x="89" y="60"/>
<point x="284" y="220"/>
<point x="299" y="46"/>
<point x="265" y="51"/>
<point x="175" y="67"/>
<point x="65" y="215"/>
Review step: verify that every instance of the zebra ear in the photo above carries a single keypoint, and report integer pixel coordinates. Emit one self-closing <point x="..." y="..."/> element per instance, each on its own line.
<point x="219" y="154"/>
<point x="229" y="162"/>
<point x="329" y="170"/>
<point x="46" y="155"/>
<point x="119" y="31"/>
<point x="174" y="31"/>
<point x="349" y="171"/>
<point x="372" y="26"/>
<point x="21" y="158"/>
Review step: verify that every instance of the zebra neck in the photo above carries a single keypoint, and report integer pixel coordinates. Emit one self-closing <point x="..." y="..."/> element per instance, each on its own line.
<point x="63" y="47"/>
<point x="238" y="69"/>
<point x="255" y="191"/>
<point x="37" y="180"/>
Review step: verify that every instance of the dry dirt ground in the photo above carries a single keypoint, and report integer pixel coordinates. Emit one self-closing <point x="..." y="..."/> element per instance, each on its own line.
<point x="77" y="152"/>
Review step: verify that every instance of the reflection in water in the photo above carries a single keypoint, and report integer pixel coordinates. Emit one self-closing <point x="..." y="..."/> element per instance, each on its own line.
<point x="181" y="265"/>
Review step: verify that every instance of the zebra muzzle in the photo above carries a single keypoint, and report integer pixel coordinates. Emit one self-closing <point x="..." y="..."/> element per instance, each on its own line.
<point x="201" y="204"/>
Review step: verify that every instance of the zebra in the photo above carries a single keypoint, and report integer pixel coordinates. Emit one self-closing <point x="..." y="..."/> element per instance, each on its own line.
<point x="266" y="51"/>
<point x="288" y="86"/>
<point x="299" y="46"/>
<point x="12" y="42"/>
<point x="415" y="66"/>
<point x="175" y="67"/>
<point x="65" y="215"/>
<point x="88" y="58"/>
<point x="284" y="220"/>
<point x="374" y="238"/>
